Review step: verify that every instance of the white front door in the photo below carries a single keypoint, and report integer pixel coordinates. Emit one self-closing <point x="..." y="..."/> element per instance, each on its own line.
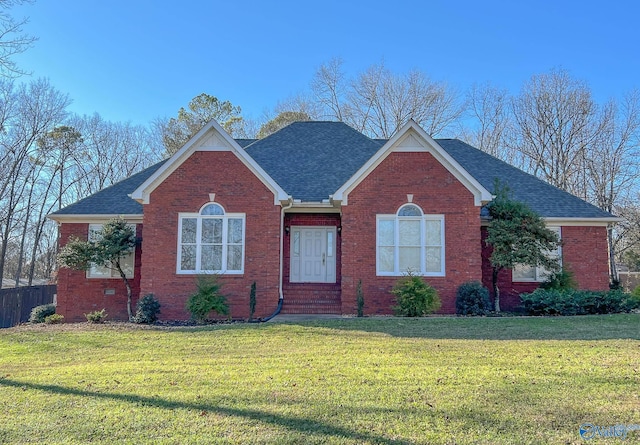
<point x="313" y="254"/>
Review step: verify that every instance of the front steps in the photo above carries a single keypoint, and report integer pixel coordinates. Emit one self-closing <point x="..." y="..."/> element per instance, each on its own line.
<point x="311" y="298"/>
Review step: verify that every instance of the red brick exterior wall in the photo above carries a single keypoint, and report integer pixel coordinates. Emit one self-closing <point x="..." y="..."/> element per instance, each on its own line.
<point x="187" y="189"/>
<point x="79" y="295"/>
<point x="584" y="252"/>
<point x="436" y="191"/>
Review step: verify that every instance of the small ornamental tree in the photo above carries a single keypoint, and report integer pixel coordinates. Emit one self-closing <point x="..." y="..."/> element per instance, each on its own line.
<point x="518" y="236"/>
<point x="115" y="241"/>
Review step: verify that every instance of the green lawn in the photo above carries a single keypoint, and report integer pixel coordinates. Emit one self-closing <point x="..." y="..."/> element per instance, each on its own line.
<point x="435" y="380"/>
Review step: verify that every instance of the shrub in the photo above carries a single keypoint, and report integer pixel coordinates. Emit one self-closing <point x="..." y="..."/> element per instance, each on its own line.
<point x="54" y="319"/>
<point x="39" y="313"/>
<point x="414" y="297"/>
<point x="96" y="316"/>
<point x="576" y="302"/>
<point x="252" y="301"/>
<point x="633" y="299"/>
<point x="207" y="299"/>
<point x="561" y="280"/>
<point x="472" y="299"/>
<point x="360" y="299"/>
<point x="147" y="309"/>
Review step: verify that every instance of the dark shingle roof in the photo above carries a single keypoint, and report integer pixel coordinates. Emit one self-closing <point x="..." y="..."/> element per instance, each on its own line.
<point x="311" y="160"/>
<point x="113" y="200"/>
<point x="546" y="200"/>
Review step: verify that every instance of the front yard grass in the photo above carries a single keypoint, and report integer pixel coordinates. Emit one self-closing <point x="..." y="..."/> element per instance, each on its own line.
<point x="439" y="380"/>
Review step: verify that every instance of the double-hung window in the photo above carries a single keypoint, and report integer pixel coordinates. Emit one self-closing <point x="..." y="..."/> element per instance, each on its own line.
<point x="211" y="241"/>
<point x="522" y="273"/>
<point x="126" y="261"/>
<point x="410" y="241"/>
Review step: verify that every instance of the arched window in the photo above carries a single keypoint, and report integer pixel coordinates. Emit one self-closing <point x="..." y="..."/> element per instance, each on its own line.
<point x="211" y="241"/>
<point x="410" y="241"/>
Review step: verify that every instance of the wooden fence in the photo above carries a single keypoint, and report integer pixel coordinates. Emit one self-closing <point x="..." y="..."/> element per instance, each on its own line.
<point x="16" y="303"/>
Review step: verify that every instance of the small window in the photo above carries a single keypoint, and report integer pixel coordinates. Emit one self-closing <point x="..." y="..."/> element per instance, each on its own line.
<point x="126" y="262"/>
<point x="410" y="241"/>
<point x="410" y="210"/>
<point x="522" y="273"/>
<point x="211" y="241"/>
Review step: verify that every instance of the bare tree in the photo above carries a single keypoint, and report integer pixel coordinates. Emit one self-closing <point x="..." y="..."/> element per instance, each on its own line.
<point x="31" y="111"/>
<point x="109" y="152"/>
<point x="556" y="124"/>
<point x="613" y="162"/>
<point x="329" y="89"/>
<point x="12" y="40"/>
<point x="491" y="122"/>
<point x="379" y="102"/>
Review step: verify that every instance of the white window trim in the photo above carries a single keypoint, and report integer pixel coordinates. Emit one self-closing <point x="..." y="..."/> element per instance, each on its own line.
<point x="93" y="274"/>
<point x="225" y="244"/>
<point x="423" y="219"/>
<point x="541" y="274"/>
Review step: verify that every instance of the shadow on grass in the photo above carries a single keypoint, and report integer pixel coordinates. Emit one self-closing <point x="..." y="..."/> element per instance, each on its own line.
<point x="584" y="327"/>
<point x="300" y="424"/>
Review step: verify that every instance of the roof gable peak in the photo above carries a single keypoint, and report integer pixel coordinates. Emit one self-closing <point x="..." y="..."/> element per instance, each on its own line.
<point x="212" y="137"/>
<point x="412" y="138"/>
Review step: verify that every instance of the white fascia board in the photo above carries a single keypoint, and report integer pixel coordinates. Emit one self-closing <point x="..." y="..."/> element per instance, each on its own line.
<point x="143" y="192"/>
<point x="80" y="219"/>
<point x="313" y="207"/>
<point x="582" y="221"/>
<point x="481" y="194"/>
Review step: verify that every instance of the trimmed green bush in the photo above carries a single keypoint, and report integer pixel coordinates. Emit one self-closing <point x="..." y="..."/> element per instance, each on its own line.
<point x="53" y="319"/>
<point x="414" y="297"/>
<point x="576" y="302"/>
<point x="147" y="309"/>
<point x="96" y="316"/>
<point x="360" y="299"/>
<point x="207" y="299"/>
<point x="472" y="299"/>
<point x="39" y="313"/>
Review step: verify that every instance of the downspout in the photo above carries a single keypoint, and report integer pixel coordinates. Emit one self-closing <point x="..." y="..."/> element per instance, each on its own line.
<point x="281" y="295"/>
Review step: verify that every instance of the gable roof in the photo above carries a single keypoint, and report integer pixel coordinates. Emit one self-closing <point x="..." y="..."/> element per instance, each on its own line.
<point x="311" y="160"/>
<point x="543" y="198"/>
<point x="211" y="137"/>
<point x="412" y="138"/>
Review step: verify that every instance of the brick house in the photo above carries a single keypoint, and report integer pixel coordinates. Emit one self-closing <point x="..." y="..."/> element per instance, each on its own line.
<point x="311" y="210"/>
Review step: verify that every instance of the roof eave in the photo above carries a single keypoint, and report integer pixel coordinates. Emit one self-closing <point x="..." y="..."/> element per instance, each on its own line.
<point x="93" y="218"/>
<point x="572" y="221"/>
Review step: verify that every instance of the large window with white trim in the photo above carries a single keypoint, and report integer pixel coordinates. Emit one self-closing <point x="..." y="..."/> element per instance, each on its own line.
<point x="211" y="241"/>
<point x="126" y="261"/>
<point x="522" y="273"/>
<point x="410" y="241"/>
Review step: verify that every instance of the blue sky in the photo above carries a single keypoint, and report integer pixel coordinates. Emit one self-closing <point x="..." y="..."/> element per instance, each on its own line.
<point x="136" y="60"/>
